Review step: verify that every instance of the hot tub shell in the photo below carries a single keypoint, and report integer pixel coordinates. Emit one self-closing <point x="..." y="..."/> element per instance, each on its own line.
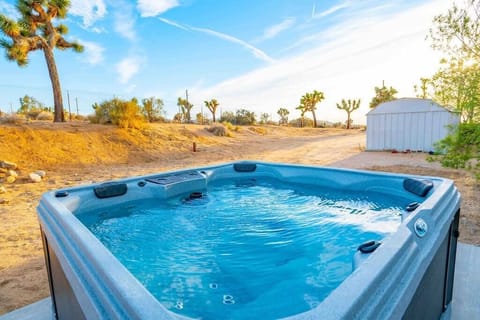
<point x="409" y="276"/>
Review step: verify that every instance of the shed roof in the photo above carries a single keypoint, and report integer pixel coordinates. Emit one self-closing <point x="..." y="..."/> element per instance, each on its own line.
<point x="408" y="105"/>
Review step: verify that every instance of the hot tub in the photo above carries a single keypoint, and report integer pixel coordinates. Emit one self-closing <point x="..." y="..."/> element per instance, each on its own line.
<point x="251" y="240"/>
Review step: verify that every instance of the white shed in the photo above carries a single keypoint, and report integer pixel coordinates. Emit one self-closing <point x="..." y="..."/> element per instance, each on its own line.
<point x="408" y="124"/>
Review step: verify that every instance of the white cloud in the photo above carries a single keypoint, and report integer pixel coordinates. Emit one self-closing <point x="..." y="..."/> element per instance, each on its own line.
<point x="348" y="65"/>
<point x="274" y="30"/>
<point x="255" y="51"/>
<point x="89" y="10"/>
<point x="174" y="24"/>
<point x="98" y="30"/>
<point x="151" y="8"/>
<point x="127" y="68"/>
<point x="124" y="21"/>
<point x="329" y="11"/>
<point x="93" y="52"/>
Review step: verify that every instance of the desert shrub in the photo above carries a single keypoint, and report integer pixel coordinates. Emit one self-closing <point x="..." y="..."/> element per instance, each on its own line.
<point x="245" y="117"/>
<point x="228" y="125"/>
<point x="299" y="122"/>
<point x="227" y="116"/>
<point x="258" y="130"/>
<point x="93" y="118"/>
<point x="231" y="127"/>
<point x="123" y="113"/>
<point x="45" y="115"/>
<point x="219" y="130"/>
<point x="322" y="124"/>
<point x="161" y="119"/>
<point x="13" y="118"/>
<point x="178" y="117"/>
<point x="33" y="114"/>
<point x="80" y="117"/>
<point x="127" y="115"/>
<point x="201" y="119"/>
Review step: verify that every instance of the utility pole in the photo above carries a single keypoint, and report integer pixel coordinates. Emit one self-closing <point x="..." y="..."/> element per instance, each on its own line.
<point x="186" y="106"/>
<point x="69" y="110"/>
<point x="76" y="102"/>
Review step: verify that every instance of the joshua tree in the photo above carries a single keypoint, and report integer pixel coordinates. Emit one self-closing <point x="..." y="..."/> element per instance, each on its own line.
<point x="186" y="107"/>
<point x="283" y="113"/>
<point x="35" y="31"/>
<point x="212" y="105"/>
<point x="303" y="110"/>
<point x="349" y="106"/>
<point x="309" y="102"/>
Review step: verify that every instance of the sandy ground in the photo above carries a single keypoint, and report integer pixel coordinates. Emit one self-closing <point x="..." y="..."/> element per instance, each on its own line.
<point x="22" y="273"/>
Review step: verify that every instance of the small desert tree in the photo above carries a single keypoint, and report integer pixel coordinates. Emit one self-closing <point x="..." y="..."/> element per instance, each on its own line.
<point x="264" y="117"/>
<point x="28" y="104"/>
<point x="35" y="31"/>
<point x="185" y="107"/>
<point x="212" y="105"/>
<point x="457" y="32"/>
<point x="245" y="117"/>
<point x="458" y="85"/>
<point x="283" y="113"/>
<point x="349" y="106"/>
<point x="152" y="109"/>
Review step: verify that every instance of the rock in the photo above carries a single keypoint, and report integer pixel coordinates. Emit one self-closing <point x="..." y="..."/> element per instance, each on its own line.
<point x="8" y="165"/>
<point x="12" y="173"/>
<point x="34" y="177"/>
<point x="2" y="189"/>
<point x="3" y="201"/>
<point x="3" y="170"/>
<point x="41" y="173"/>
<point x="10" y="179"/>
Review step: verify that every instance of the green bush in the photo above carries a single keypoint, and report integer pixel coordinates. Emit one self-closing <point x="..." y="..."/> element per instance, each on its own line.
<point x="45" y="115"/>
<point x="461" y="148"/>
<point x="227" y="116"/>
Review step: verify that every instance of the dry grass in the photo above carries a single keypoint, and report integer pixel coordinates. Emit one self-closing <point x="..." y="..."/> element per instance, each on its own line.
<point x="50" y="146"/>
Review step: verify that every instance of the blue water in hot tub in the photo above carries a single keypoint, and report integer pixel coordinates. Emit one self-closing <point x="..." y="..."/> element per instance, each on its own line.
<point x="246" y="249"/>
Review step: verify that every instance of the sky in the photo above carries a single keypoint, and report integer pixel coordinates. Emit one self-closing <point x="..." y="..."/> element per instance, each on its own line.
<point x="250" y="54"/>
